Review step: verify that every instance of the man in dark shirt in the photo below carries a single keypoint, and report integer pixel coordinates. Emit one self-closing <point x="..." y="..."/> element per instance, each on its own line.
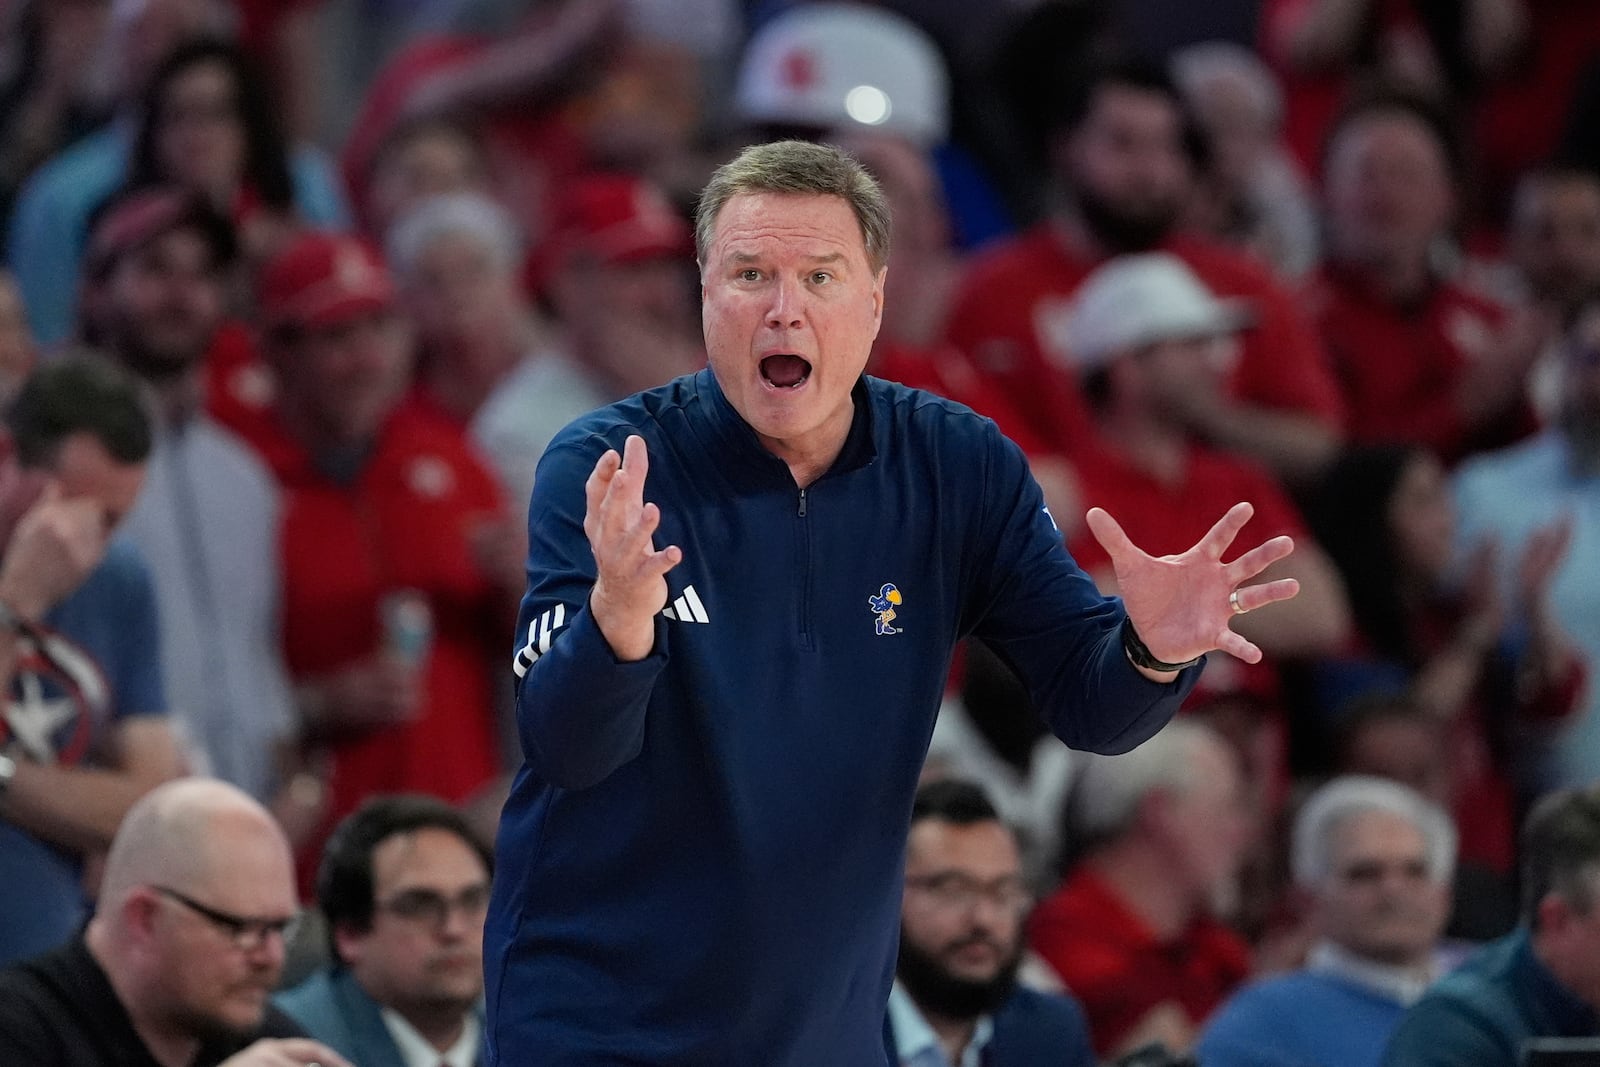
<point x="176" y="968"/>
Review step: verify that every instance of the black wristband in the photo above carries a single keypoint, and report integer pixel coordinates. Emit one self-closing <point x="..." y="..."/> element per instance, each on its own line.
<point x="1140" y="656"/>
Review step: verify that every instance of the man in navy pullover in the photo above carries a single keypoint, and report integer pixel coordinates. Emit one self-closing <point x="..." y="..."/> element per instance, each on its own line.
<point x="701" y="857"/>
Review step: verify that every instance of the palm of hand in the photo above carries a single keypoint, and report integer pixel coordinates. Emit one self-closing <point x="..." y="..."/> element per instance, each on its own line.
<point x="1181" y="605"/>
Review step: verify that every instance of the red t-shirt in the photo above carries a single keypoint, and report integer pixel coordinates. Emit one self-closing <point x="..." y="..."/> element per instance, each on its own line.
<point x="943" y="370"/>
<point x="1399" y="367"/>
<point x="1008" y="311"/>
<point x="403" y="524"/>
<point x="1113" y="964"/>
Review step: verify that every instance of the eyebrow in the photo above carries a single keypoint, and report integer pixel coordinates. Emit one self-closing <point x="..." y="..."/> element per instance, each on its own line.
<point x="751" y="257"/>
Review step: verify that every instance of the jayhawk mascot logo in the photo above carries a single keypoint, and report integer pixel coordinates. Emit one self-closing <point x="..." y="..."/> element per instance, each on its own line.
<point x="883" y="606"/>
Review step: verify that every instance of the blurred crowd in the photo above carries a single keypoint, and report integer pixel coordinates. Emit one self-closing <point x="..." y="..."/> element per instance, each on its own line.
<point x="295" y="293"/>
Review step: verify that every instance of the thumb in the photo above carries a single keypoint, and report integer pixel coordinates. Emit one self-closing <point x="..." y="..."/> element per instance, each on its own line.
<point x="1109" y="533"/>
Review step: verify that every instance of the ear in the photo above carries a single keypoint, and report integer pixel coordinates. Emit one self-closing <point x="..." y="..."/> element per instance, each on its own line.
<point x="139" y="909"/>
<point x="1553" y="913"/>
<point x="877" y="296"/>
<point x="349" y="940"/>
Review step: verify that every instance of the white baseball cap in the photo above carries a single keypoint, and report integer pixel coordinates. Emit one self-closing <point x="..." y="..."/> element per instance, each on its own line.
<point x="1134" y="301"/>
<point x="833" y="65"/>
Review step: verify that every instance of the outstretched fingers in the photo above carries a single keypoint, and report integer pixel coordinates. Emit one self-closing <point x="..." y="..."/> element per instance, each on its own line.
<point x="1220" y="536"/>
<point x="1251" y="597"/>
<point x="1260" y="558"/>
<point x="1110" y="534"/>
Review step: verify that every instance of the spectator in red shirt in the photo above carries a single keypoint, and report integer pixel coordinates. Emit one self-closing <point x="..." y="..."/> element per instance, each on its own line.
<point x="1147" y="336"/>
<point x="1132" y="932"/>
<point x="1420" y="357"/>
<point x="392" y="624"/>
<point x="1125" y="175"/>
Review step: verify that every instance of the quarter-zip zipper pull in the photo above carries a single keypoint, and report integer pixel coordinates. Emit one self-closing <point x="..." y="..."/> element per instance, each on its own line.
<point x="802" y="503"/>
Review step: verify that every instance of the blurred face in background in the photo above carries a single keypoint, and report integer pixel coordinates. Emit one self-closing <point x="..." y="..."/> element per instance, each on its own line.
<point x="200" y="140"/>
<point x="1380" y="899"/>
<point x="1126" y="167"/>
<point x="428" y="160"/>
<point x="1387" y="190"/>
<point x="465" y="297"/>
<point x="632" y="321"/>
<point x="1203" y="825"/>
<point x="961" y="921"/>
<point x="1555" y="237"/>
<point x="1422" y="518"/>
<point x="161" y="305"/>
<point x="346" y="376"/>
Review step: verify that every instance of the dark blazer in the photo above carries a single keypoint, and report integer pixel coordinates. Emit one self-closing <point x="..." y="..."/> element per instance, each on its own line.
<point x="334" y="1009"/>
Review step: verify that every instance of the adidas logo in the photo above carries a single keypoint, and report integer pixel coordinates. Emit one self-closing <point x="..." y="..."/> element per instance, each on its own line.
<point x="541" y="632"/>
<point x="686" y="608"/>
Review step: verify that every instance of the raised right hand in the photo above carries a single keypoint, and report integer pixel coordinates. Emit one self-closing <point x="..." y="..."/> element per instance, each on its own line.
<point x="631" y="586"/>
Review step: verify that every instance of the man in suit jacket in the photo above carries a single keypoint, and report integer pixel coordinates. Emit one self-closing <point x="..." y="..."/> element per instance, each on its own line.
<point x="404" y="885"/>
<point x="956" y="1001"/>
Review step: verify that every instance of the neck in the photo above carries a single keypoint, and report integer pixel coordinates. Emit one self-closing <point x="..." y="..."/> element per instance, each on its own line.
<point x="1574" y="974"/>
<point x="439" y="1027"/>
<point x="178" y="399"/>
<point x="1400" y="278"/>
<point x="1153" y="447"/>
<point x="805" y="465"/>
<point x="168" y="1045"/>
<point x="954" y="1034"/>
<point x="314" y="434"/>
<point x="1145" y="882"/>
<point x="1073" y="233"/>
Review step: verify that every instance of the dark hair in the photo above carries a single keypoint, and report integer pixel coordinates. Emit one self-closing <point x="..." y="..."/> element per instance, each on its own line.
<point x="1347" y="512"/>
<point x="1561" y="850"/>
<point x="1388" y="101"/>
<point x="1080" y="90"/>
<point x="81" y="394"/>
<point x="344" y="877"/>
<point x="195" y="213"/>
<point x="266" y="160"/>
<point x="1362" y="713"/>
<point x="953" y="800"/>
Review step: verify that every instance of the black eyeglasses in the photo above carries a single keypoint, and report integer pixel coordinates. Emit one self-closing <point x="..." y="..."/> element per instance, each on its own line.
<point x="428" y="908"/>
<point x="246" y="934"/>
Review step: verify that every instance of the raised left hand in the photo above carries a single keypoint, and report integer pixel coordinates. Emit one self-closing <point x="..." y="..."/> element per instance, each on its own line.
<point x="1181" y="605"/>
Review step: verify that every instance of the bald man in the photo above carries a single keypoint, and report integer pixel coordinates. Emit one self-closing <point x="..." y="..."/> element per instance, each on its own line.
<point x="176" y="966"/>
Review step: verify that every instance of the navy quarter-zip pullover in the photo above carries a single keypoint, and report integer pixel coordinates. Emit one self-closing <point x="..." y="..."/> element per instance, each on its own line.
<point x="700" y="861"/>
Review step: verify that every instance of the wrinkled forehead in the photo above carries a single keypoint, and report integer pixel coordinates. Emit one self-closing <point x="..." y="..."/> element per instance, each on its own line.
<point x="801" y="225"/>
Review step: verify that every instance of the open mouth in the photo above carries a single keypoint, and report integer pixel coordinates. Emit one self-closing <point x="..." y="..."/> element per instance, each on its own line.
<point x="785" y="371"/>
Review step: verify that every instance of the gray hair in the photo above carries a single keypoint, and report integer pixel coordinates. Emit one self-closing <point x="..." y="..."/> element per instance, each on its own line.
<point x="1109" y="789"/>
<point x="1344" y="798"/>
<point x="451" y="214"/>
<point x="798" y="168"/>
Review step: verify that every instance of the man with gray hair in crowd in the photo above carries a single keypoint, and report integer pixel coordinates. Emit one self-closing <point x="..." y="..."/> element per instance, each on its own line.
<point x="1376" y="858"/>
<point x="1133" y="931"/>
<point x="1540" y="981"/>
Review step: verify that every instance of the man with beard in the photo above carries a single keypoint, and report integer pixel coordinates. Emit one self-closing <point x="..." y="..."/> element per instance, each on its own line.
<point x="153" y="298"/>
<point x="404" y="886"/>
<point x="175" y="970"/>
<point x="1123" y="162"/>
<point x="956" y="1001"/>
<point x="1376" y="859"/>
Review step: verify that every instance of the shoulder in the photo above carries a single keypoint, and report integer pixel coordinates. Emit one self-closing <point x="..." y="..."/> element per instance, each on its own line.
<point x="1002" y="262"/>
<point x="1225" y="269"/>
<point x="1044" y="1013"/>
<point x="655" y="414"/>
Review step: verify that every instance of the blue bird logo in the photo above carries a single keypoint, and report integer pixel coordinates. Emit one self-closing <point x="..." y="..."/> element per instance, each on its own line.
<point x="883" y="604"/>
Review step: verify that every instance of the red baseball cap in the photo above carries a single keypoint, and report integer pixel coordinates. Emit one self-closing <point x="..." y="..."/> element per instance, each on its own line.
<point x="323" y="279"/>
<point x="134" y="219"/>
<point x="619" y="218"/>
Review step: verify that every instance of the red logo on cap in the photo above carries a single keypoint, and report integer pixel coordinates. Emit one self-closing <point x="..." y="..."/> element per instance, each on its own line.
<point x="798" y="70"/>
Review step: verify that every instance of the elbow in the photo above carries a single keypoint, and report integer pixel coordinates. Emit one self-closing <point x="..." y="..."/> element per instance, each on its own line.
<point x="577" y="762"/>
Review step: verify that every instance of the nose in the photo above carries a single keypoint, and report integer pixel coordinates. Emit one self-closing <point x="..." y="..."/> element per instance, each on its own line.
<point x="787" y="311"/>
